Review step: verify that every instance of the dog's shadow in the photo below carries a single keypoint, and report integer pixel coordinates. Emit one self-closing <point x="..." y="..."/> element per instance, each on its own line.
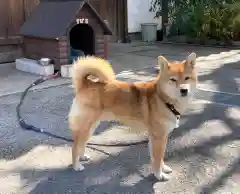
<point x="110" y="175"/>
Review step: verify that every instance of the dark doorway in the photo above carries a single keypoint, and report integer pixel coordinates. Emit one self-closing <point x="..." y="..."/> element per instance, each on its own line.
<point x="81" y="41"/>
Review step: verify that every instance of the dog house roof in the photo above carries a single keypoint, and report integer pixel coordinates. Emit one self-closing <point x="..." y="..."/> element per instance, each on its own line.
<point x="52" y="18"/>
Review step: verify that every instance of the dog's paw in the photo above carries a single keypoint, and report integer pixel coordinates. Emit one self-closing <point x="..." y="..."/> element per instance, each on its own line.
<point x="85" y="157"/>
<point x="161" y="176"/>
<point x="78" y="167"/>
<point x="167" y="169"/>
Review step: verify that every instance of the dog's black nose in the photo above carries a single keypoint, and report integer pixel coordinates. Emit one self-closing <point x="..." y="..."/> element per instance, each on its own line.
<point x="184" y="92"/>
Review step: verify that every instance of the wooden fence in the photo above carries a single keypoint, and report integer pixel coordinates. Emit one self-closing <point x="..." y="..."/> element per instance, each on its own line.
<point x="12" y="15"/>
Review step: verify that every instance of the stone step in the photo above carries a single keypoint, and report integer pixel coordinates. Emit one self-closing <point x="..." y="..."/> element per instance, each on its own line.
<point x="66" y="71"/>
<point x="32" y="66"/>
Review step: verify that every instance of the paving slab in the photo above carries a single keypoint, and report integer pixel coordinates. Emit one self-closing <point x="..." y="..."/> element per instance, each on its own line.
<point x="219" y="67"/>
<point x="204" y="151"/>
<point x="15" y="81"/>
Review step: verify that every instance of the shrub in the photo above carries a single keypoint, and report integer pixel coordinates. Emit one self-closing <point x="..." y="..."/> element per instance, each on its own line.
<point x="203" y="19"/>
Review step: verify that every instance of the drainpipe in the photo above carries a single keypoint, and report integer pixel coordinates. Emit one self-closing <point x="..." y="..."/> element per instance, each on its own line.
<point x="164" y="17"/>
<point x="105" y="44"/>
<point x="126" y="38"/>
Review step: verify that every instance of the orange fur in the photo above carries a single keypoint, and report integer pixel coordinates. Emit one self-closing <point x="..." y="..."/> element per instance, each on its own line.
<point x="140" y="105"/>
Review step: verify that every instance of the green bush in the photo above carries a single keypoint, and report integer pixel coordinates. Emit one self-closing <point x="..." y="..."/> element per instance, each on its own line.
<point x="204" y="19"/>
<point x="220" y="23"/>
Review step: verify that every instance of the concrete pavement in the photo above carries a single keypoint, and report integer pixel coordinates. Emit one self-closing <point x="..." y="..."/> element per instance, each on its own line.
<point x="203" y="152"/>
<point x="220" y="66"/>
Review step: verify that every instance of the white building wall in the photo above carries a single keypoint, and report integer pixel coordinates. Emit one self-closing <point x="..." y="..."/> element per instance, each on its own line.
<point x="138" y="12"/>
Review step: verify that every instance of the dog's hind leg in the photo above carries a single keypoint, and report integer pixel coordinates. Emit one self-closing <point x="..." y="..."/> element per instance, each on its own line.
<point x="81" y="132"/>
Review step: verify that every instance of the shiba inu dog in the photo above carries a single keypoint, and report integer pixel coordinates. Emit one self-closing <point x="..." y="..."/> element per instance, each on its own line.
<point x="154" y="106"/>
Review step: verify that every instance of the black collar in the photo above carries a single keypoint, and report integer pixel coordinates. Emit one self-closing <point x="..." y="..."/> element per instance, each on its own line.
<point x="173" y="110"/>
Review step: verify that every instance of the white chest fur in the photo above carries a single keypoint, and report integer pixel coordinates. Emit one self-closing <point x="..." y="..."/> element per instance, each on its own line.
<point x="172" y="124"/>
<point x="75" y="108"/>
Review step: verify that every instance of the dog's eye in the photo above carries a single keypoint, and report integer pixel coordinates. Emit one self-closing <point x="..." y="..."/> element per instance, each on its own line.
<point x="173" y="80"/>
<point x="187" y="78"/>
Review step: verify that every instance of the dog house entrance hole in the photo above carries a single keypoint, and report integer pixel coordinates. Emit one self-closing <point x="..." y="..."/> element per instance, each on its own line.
<point x="81" y="41"/>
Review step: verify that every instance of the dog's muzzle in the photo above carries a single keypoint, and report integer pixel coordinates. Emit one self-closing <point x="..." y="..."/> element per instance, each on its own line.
<point x="184" y="92"/>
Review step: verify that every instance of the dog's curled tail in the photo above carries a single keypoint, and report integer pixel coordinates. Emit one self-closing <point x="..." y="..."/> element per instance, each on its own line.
<point x="91" y="66"/>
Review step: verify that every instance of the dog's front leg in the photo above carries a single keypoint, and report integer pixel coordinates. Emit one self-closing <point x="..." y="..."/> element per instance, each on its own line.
<point x="157" y="146"/>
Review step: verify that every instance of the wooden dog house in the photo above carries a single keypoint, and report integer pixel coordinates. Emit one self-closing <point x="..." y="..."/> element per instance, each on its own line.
<point x="62" y="30"/>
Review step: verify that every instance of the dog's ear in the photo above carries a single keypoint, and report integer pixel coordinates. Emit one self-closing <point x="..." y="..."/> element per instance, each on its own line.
<point x="162" y="63"/>
<point x="191" y="60"/>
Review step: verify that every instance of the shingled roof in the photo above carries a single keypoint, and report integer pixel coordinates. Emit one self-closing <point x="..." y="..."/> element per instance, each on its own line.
<point x="52" y="18"/>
